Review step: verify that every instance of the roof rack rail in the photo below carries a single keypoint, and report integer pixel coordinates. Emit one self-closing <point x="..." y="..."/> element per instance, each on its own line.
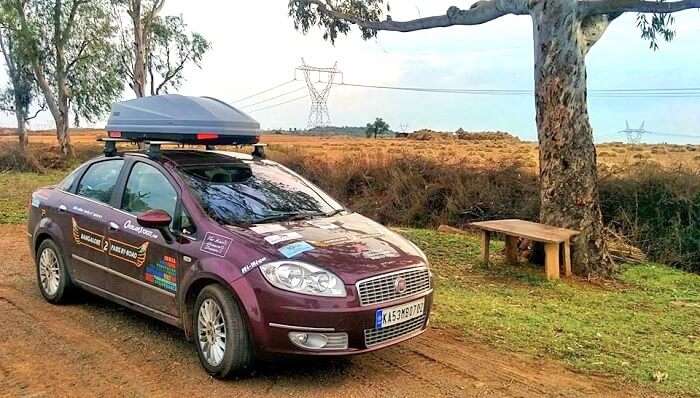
<point x="111" y="145"/>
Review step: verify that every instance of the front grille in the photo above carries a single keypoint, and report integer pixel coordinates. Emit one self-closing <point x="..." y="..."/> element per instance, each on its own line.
<point x="379" y="336"/>
<point x="380" y="289"/>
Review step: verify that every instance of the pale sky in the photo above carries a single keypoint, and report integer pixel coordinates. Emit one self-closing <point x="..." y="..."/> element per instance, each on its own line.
<point x="254" y="47"/>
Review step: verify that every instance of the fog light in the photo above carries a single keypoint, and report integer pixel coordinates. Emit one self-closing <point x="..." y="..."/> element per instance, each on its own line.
<point x="319" y="341"/>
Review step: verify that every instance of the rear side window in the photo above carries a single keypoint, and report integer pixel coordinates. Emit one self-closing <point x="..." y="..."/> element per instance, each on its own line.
<point x="99" y="180"/>
<point x="148" y="189"/>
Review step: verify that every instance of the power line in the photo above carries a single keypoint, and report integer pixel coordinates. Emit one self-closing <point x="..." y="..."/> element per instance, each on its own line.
<point x="265" y="91"/>
<point x="279" y="104"/>
<point x="275" y="97"/>
<point x="607" y="93"/>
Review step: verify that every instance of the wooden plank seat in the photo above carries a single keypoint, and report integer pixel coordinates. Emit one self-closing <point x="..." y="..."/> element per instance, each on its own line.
<point x="552" y="237"/>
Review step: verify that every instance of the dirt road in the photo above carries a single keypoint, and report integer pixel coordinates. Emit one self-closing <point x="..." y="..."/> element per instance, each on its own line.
<point x="95" y="348"/>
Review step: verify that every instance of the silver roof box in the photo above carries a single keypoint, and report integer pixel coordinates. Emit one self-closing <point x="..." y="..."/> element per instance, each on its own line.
<point x="182" y="119"/>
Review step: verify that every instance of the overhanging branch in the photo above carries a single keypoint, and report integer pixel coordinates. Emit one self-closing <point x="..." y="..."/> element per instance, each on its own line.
<point x="594" y="7"/>
<point x="480" y="12"/>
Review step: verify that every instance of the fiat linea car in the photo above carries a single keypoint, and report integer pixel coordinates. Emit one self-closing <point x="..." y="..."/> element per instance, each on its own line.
<point x="246" y="256"/>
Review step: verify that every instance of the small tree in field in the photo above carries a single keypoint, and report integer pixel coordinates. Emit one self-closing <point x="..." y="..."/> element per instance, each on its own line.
<point x="21" y="91"/>
<point x="70" y="47"/>
<point x="379" y="127"/>
<point x="564" y="32"/>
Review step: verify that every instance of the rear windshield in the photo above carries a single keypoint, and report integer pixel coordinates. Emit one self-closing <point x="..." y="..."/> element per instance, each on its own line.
<point x="254" y="193"/>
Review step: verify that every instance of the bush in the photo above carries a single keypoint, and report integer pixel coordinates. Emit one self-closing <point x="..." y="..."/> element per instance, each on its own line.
<point x="659" y="210"/>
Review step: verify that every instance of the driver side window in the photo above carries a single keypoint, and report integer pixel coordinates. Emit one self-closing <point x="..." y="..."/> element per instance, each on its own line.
<point x="148" y="189"/>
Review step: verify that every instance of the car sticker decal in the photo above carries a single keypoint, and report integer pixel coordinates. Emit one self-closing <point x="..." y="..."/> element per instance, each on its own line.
<point x="89" y="213"/>
<point x="135" y="255"/>
<point x="215" y="244"/>
<point x="85" y="237"/>
<point x="140" y="230"/>
<point x="131" y="254"/>
<point x="273" y="239"/>
<point x="268" y="228"/>
<point x="322" y="224"/>
<point x="376" y="254"/>
<point x="163" y="274"/>
<point x="296" y="248"/>
<point x="252" y="265"/>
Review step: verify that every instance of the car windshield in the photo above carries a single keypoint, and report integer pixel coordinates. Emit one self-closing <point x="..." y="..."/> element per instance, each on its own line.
<point x="254" y="193"/>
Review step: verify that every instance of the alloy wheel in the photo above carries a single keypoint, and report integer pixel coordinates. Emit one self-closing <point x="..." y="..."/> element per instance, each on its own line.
<point x="211" y="329"/>
<point x="49" y="271"/>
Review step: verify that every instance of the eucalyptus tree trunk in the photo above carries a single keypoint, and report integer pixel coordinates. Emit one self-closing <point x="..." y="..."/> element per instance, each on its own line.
<point x="21" y="126"/>
<point x="568" y="176"/>
<point x="138" y="83"/>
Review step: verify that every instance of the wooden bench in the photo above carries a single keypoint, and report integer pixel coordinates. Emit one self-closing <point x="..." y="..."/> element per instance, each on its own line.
<point x="552" y="237"/>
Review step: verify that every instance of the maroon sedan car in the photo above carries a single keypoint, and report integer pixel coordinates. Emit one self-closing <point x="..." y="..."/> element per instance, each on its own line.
<point x="242" y="253"/>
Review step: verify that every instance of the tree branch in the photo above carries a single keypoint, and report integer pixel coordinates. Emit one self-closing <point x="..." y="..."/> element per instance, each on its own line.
<point x="480" y="12"/>
<point x="597" y="7"/>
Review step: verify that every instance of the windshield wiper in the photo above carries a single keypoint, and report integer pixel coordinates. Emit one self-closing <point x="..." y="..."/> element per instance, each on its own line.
<point x="291" y="216"/>
<point x="334" y="212"/>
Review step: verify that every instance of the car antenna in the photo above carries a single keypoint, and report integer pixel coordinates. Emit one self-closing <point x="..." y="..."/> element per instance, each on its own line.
<point x="259" y="151"/>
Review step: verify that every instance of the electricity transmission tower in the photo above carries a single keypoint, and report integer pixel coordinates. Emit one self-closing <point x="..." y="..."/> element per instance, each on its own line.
<point x="634" y="136"/>
<point x="319" y="116"/>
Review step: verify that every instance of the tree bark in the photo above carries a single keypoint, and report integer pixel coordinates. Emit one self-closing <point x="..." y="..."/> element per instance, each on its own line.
<point x="21" y="126"/>
<point x="568" y="176"/>
<point x="139" y="77"/>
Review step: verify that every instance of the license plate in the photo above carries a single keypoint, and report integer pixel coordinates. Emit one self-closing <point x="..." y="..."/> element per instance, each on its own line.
<point x="400" y="313"/>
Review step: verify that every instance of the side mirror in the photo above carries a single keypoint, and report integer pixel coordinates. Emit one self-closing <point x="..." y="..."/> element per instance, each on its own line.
<point x="156" y="219"/>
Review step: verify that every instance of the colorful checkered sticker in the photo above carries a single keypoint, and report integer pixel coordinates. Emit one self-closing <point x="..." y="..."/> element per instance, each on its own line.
<point x="163" y="274"/>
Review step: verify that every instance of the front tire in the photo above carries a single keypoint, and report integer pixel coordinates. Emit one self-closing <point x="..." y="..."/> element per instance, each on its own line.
<point x="52" y="276"/>
<point x="222" y="338"/>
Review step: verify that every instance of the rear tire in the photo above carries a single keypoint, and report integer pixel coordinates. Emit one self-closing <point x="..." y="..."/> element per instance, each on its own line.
<point x="221" y="333"/>
<point x="51" y="273"/>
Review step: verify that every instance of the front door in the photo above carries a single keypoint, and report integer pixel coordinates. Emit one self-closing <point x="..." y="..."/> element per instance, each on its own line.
<point x="144" y="264"/>
<point x="83" y="217"/>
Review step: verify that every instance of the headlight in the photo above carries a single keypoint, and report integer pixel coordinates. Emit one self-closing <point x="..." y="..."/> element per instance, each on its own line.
<point x="303" y="278"/>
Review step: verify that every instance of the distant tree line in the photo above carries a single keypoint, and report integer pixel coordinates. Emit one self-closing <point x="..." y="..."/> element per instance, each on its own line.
<point x="74" y="58"/>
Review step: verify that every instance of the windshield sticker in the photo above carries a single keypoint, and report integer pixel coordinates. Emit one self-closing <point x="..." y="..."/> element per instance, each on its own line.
<point x="322" y="224"/>
<point x="87" y="212"/>
<point x="294" y="249"/>
<point x="268" y="228"/>
<point x="140" y="230"/>
<point x="273" y="239"/>
<point x="131" y="254"/>
<point x="215" y="244"/>
<point x="82" y="236"/>
<point x="253" y="265"/>
<point x="163" y="274"/>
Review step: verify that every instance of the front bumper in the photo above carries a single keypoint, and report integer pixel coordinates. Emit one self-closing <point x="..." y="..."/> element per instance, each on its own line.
<point x="279" y="313"/>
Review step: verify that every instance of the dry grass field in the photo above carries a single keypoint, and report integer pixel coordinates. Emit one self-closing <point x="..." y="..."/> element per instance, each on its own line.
<point x="486" y="153"/>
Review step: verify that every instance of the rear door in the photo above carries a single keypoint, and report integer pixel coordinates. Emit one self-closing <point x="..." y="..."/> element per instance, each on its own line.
<point x="83" y="218"/>
<point x="142" y="262"/>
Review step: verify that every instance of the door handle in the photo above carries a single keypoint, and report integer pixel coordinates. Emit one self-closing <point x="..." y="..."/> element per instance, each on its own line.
<point x="62" y="208"/>
<point x="113" y="226"/>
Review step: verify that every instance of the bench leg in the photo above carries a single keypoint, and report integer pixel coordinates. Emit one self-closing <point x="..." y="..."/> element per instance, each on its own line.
<point x="567" y="258"/>
<point x="511" y="249"/>
<point x="551" y="260"/>
<point x="485" y="241"/>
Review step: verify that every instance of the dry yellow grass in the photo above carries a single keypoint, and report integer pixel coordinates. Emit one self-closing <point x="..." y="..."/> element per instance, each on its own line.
<point x="475" y="153"/>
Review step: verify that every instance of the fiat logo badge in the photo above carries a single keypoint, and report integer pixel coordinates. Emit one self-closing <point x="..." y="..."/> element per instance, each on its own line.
<point x="400" y="285"/>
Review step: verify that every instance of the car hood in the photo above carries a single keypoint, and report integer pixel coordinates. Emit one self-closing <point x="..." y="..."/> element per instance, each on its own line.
<point x="351" y="246"/>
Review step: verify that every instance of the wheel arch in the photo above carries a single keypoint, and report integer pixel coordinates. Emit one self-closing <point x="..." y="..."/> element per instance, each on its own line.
<point x="189" y="297"/>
